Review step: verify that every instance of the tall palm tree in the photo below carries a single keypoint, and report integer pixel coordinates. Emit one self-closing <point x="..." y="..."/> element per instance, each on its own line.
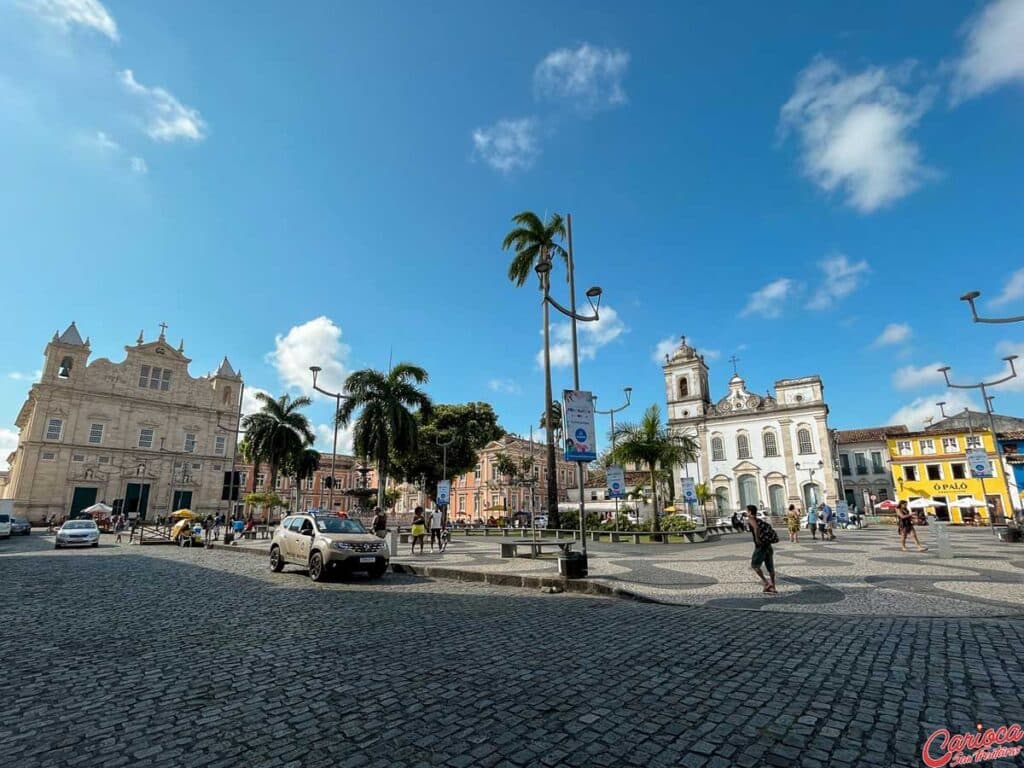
<point x="533" y="241"/>
<point x="651" y="443"/>
<point x="303" y="465"/>
<point x="278" y="431"/>
<point x="386" y="403"/>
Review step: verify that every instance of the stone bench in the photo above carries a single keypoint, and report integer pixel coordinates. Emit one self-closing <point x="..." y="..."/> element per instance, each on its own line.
<point x="510" y="547"/>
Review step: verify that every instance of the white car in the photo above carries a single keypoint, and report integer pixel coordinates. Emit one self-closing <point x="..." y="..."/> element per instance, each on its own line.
<point x="77" y="533"/>
<point x="540" y="521"/>
<point x="5" y="525"/>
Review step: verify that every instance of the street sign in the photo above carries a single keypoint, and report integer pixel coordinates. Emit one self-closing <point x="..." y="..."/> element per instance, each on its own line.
<point x="444" y="491"/>
<point x="977" y="460"/>
<point x="578" y="417"/>
<point x="689" y="490"/>
<point x="615" y="479"/>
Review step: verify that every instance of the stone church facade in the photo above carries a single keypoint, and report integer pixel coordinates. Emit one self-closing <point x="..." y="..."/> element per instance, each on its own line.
<point x="770" y="450"/>
<point x="142" y="432"/>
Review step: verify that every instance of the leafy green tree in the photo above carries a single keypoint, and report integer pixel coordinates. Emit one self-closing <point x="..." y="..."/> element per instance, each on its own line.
<point x="652" y="444"/>
<point x="532" y="240"/>
<point x="386" y="425"/>
<point x="467" y="426"/>
<point x="278" y="431"/>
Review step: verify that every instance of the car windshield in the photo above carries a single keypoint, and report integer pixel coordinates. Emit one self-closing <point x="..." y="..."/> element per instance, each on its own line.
<point x="77" y="524"/>
<point x="339" y="525"/>
<point x="4" y="519"/>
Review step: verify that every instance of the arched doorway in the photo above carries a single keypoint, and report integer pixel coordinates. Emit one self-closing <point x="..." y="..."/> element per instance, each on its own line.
<point x="777" y="499"/>
<point x="722" y="499"/>
<point x="748" y="491"/>
<point x="812" y="495"/>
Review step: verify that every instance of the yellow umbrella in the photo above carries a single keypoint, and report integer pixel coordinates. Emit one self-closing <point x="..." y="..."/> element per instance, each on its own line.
<point x="181" y="528"/>
<point x="669" y="509"/>
<point x="183" y="514"/>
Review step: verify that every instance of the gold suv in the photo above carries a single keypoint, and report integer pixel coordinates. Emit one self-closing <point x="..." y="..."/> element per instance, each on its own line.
<point x="325" y="544"/>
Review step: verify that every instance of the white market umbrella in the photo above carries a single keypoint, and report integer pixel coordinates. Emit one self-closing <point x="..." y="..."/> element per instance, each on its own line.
<point x="968" y="504"/>
<point x="99" y="507"/>
<point x="924" y="503"/>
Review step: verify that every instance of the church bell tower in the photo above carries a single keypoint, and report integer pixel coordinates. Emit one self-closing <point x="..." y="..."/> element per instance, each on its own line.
<point x="686" y="384"/>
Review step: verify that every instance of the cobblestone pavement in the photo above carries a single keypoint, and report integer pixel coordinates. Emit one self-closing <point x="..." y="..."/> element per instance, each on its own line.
<point x="164" y="657"/>
<point x="862" y="573"/>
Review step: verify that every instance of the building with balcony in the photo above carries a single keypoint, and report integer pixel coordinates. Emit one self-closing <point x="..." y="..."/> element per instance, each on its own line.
<point x="932" y="464"/>
<point x="865" y="477"/>
<point x="141" y="434"/>
<point x="768" y="450"/>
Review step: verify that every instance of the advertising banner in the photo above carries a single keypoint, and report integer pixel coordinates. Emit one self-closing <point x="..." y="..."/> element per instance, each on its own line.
<point x="578" y="421"/>
<point x="977" y="460"/>
<point x="615" y="478"/>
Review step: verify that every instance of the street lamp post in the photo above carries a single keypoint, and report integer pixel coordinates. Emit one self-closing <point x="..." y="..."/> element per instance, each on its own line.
<point x="611" y="414"/>
<point x="315" y="369"/>
<point x="543" y="270"/>
<point x="444" y="475"/>
<point x="810" y="473"/>
<point x="232" y="488"/>
<point x="970" y="431"/>
<point x="983" y="386"/>
<point x="971" y="296"/>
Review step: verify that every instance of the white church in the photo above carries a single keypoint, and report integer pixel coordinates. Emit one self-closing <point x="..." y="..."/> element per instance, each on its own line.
<point x="769" y="450"/>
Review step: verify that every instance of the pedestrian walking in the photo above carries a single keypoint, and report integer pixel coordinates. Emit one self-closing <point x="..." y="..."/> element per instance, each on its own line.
<point x="436" y="520"/>
<point x="207" y="529"/>
<point x="828" y="517"/>
<point x="905" y="524"/>
<point x="118" y="528"/>
<point x="812" y="521"/>
<point x="821" y="522"/>
<point x="131" y="529"/>
<point x="419" y="530"/>
<point x="793" y="523"/>
<point x="218" y="521"/>
<point x="379" y="526"/>
<point x="764" y="537"/>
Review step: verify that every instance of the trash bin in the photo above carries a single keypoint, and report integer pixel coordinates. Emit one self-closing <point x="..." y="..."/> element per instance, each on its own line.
<point x="572" y="565"/>
<point x="228" y="537"/>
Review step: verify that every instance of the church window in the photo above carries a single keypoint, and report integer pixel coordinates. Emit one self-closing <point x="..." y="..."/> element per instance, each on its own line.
<point x="219" y="443"/>
<point x="54" y="429"/>
<point x="684" y="387"/>
<point x="717" y="449"/>
<point x="227" y="395"/>
<point x="78" y="457"/>
<point x="154" y="378"/>
<point x="48" y="456"/>
<point x="190" y="443"/>
<point x="803" y="439"/>
<point x="771" y="445"/>
<point x="96" y="434"/>
<point x="743" y="446"/>
<point x="145" y="438"/>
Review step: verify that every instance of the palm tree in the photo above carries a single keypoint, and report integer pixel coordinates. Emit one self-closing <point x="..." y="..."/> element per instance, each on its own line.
<point x="556" y="418"/>
<point x="302" y="465"/>
<point x="533" y="241"/>
<point x="649" y="442"/>
<point x="278" y="431"/>
<point x="386" y="403"/>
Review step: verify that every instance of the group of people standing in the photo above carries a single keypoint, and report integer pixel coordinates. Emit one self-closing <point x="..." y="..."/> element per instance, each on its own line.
<point x="438" y="532"/>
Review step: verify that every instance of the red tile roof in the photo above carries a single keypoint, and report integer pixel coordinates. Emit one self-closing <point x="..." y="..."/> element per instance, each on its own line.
<point x="869" y="434"/>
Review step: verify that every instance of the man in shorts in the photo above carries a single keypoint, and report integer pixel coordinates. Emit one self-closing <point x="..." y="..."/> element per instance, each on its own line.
<point x="763" y="552"/>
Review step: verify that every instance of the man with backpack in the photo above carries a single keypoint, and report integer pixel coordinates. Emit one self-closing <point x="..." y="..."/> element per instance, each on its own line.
<point x="764" y="537"/>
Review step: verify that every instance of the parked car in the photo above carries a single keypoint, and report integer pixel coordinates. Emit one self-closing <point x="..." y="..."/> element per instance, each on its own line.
<point x="20" y="527"/>
<point x="540" y="521"/>
<point x="5" y="525"/>
<point x="77" y="533"/>
<point x="325" y="544"/>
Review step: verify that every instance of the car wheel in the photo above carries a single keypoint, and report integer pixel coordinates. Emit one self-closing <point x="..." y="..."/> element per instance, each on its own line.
<point x="276" y="561"/>
<point x="56" y="546"/>
<point x="317" y="570"/>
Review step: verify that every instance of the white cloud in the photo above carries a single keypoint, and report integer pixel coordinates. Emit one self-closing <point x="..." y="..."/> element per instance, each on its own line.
<point x="508" y="145"/>
<point x="669" y="345"/>
<point x="167" y="118"/>
<point x="587" y="78"/>
<point x="910" y="377"/>
<point x="841" y="278"/>
<point x="893" y="333"/>
<point x="325" y="439"/>
<point x="250" y="404"/>
<point x="139" y="166"/>
<point x="994" y="50"/>
<point x="854" y="130"/>
<point x="24" y="376"/>
<point x="590" y="337"/>
<point x="85" y="13"/>
<point x="317" y="342"/>
<point x="1014" y="288"/>
<point x="104" y="142"/>
<point x="506" y="386"/>
<point x="8" y="442"/>
<point x="921" y="411"/>
<point x="768" y="301"/>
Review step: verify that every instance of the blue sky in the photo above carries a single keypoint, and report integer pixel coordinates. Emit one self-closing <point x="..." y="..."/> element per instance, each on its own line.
<point x="808" y="187"/>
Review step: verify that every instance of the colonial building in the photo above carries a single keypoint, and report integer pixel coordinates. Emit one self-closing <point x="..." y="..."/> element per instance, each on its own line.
<point x="769" y="450"/>
<point x="865" y="478"/>
<point x="933" y="465"/>
<point x="142" y="433"/>
<point x="352" y="479"/>
<point x="484" y="492"/>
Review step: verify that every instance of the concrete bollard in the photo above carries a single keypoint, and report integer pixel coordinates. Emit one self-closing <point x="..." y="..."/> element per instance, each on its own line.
<point x="940" y="538"/>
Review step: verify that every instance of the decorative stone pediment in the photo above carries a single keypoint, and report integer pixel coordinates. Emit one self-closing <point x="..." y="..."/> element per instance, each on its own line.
<point x="746" y="466"/>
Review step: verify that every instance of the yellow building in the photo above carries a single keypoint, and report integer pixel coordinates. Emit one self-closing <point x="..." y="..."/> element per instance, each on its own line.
<point x="933" y="465"/>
